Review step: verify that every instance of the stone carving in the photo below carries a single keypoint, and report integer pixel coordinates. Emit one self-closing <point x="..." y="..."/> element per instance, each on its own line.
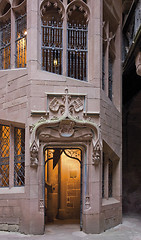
<point x="55" y="105"/>
<point x="66" y="128"/>
<point x="82" y="6"/>
<point x="41" y="205"/>
<point x="34" y="155"/>
<point x="31" y="128"/>
<point x="96" y="154"/>
<point x="76" y="106"/>
<point x="87" y="202"/>
<point x="95" y="158"/>
<point x="55" y="3"/>
<point x="66" y="104"/>
<point x="42" y="119"/>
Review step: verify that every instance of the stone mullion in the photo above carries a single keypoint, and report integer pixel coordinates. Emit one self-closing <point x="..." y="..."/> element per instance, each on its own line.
<point x="13" y="33"/>
<point x="64" y="57"/>
<point x="11" y="158"/>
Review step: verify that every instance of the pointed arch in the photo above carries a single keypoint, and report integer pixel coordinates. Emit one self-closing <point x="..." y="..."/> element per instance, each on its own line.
<point x="56" y="4"/>
<point x="81" y="6"/>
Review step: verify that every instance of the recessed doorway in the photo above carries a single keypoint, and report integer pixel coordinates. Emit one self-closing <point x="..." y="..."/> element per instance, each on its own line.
<point x="63" y="191"/>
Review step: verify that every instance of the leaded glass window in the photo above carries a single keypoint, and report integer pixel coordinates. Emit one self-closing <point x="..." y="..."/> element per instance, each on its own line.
<point x="52" y="47"/>
<point x="21" y="41"/>
<point x="19" y="157"/>
<point x="4" y="155"/>
<point x="5" y="45"/>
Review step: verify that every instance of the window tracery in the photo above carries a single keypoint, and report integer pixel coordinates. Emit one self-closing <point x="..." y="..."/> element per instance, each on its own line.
<point x="77" y="33"/>
<point x="52" y="36"/>
<point x="52" y="16"/>
<point x="5" y="35"/>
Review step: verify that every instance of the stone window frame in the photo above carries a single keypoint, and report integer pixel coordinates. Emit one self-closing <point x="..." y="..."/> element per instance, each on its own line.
<point x="17" y="7"/>
<point x="64" y="10"/>
<point x="111" y="41"/>
<point x="110" y="170"/>
<point x="12" y="157"/>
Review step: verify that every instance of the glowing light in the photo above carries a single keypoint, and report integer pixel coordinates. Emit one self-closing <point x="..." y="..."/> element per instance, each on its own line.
<point x="55" y="62"/>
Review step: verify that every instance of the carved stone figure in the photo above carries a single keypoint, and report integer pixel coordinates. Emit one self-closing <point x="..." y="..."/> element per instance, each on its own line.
<point x="34" y="155"/>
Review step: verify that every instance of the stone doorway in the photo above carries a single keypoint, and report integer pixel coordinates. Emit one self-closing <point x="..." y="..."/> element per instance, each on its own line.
<point x="63" y="184"/>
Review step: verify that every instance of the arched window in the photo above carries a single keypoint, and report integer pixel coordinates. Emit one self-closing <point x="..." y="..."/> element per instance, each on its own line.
<point x="21" y="33"/>
<point x="5" y="35"/>
<point x="52" y="37"/>
<point x="77" y="41"/>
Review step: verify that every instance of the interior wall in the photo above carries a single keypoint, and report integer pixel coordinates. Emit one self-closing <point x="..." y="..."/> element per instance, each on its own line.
<point x="132" y="157"/>
<point x="62" y="186"/>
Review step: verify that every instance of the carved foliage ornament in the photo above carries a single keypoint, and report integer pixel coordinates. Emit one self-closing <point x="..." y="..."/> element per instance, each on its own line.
<point x="34" y="154"/>
<point x="54" y="3"/>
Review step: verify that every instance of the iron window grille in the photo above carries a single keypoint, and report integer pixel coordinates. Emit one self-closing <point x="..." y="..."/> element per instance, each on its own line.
<point x="5" y="46"/>
<point x="52" y="47"/>
<point x="110" y="182"/>
<point x="4" y="155"/>
<point x="77" y="50"/>
<point x="19" y="157"/>
<point x="21" y="41"/>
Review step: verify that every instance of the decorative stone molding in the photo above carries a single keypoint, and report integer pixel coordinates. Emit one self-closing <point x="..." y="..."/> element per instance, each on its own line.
<point x="55" y="3"/>
<point x="87" y="202"/>
<point x="66" y="128"/>
<point x="34" y="154"/>
<point x="82" y="6"/>
<point x="96" y="154"/>
<point x="74" y="106"/>
<point x="41" y="205"/>
<point x="68" y="104"/>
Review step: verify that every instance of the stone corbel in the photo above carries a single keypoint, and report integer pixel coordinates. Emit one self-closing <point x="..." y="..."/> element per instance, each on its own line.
<point x="34" y="155"/>
<point x="138" y="64"/>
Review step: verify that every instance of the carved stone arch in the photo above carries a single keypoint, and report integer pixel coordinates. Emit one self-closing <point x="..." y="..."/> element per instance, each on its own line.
<point x="5" y="10"/>
<point x="66" y="129"/>
<point x="82" y="7"/>
<point x="19" y="6"/>
<point x="57" y="4"/>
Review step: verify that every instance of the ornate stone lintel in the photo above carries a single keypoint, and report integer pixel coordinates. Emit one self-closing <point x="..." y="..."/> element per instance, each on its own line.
<point x="34" y="155"/>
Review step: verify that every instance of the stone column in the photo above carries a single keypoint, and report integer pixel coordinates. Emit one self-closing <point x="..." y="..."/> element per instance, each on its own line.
<point x="95" y="43"/>
<point x="33" y="35"/>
